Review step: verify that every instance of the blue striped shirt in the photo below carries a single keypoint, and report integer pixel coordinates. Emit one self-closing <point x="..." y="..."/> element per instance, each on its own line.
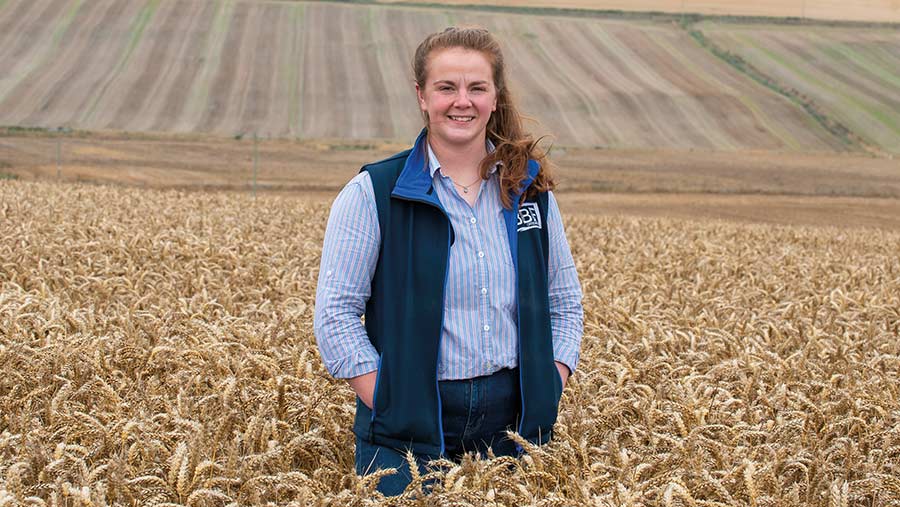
<point x="479" y="335"/>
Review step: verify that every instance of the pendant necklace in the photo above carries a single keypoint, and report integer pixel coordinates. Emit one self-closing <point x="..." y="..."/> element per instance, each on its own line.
<point x="465" y="188"/>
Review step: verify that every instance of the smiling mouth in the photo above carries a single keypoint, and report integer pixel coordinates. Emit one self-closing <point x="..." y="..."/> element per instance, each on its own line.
<point x="464" y="119"/>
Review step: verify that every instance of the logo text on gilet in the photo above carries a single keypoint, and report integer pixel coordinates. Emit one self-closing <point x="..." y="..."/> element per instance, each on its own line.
<point x="529" y="217"/>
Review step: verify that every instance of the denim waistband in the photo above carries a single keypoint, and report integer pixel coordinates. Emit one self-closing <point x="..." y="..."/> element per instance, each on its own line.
<point x="505" y="372"/>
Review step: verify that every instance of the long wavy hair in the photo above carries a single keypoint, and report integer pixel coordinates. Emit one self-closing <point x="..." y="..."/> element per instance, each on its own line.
<point x="514" y="146"/>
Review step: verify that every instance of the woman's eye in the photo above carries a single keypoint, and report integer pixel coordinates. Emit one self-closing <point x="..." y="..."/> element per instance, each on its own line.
<point x="445" y="88"/>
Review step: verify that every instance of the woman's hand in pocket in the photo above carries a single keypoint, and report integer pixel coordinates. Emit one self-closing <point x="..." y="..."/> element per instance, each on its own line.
<point x="364" y="385"/>
<point x="563" y="372"/>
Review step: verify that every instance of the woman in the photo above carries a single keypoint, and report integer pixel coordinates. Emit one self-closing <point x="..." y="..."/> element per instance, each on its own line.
<point x="455" y="253"/>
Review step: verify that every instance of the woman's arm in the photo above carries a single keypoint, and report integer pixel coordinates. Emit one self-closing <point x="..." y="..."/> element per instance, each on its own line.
<point x="566" y="312"/>
<point x="349" y="256"/>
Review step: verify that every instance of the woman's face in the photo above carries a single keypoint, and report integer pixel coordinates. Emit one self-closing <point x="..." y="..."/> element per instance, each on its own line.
<point x="459" y="96"/>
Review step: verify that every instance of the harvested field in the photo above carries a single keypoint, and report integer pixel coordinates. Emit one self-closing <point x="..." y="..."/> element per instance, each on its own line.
<point x="156" y="347"/>
<point x="846" y="190"/>
<point x="881" y="11"/>
<point x="853" y="74"/>
<point x="215" y="162"/>
<point x="320" y="70"/>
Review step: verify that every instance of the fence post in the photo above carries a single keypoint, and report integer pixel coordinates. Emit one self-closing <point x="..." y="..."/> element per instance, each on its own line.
<point x="255" y="161"/>
<point x="58" y="157"/>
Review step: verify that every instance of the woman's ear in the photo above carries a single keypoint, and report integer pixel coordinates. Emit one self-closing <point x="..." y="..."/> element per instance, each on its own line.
<point x="421" y="98"/>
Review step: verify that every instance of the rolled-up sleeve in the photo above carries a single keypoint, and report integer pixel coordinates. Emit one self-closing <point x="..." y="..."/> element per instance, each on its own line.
<point x="566" y="311"/>
<point x="349" y="256"/>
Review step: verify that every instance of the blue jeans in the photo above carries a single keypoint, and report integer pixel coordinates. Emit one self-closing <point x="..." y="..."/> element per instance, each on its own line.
<point x="475" y="413"/>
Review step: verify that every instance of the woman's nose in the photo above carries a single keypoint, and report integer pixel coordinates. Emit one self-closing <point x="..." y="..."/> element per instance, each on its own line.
<point x="462" y="99"/>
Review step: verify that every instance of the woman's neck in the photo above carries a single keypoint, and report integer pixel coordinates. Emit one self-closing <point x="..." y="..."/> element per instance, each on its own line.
<point x="459" y="161"/>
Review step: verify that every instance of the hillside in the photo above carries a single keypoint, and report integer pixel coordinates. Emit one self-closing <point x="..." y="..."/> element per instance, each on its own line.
<point x="855" y="73"/>
<point x="320" y="70"/>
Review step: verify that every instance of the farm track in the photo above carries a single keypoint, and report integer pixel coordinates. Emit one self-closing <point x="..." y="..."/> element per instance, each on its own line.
<point x="156" y="347"/>
<point x="195" y="67"/>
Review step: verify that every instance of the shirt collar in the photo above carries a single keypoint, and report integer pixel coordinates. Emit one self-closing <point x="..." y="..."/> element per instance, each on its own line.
<point x="434" y="165"/>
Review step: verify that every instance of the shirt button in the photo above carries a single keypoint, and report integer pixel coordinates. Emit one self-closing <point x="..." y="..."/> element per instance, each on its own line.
<point x="480" y="254"/>
<point x="487" y="327"/>
<point x="328" y="273"/>
<point x="473" y="220"/>
<point x="484" y="290"/>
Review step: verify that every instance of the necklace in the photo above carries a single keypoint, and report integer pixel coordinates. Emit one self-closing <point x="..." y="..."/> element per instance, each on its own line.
<point x="465" y="188"/>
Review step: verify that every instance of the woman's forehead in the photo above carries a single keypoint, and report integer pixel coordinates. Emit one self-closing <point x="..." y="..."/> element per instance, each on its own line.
<point x="454" y="63"/>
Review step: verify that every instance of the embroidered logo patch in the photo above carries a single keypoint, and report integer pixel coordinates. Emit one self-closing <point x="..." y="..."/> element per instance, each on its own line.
<point x="529" y="217"/>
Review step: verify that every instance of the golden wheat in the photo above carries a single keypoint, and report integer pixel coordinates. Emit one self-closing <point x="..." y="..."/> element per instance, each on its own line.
<point x="156" y="349"/>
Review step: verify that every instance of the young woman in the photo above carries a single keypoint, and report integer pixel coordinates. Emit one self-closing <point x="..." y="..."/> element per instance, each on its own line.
<point x="454" y="251"/>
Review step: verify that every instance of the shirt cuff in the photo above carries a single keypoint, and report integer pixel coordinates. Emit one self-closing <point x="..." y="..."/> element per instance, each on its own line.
<point x="358" y="363"/>
<point x="566" y="354"/>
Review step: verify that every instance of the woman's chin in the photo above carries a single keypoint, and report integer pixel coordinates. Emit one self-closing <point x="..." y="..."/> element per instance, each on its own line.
<point x="460" y="134"/>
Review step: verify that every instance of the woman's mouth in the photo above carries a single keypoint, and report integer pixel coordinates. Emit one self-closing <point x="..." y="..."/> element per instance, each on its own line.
<point x="463" y="119"/>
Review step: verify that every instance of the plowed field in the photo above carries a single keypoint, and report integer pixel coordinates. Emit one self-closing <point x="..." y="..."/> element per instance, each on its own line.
<point x="854" y="73"/>
<point x="318" y="70"/>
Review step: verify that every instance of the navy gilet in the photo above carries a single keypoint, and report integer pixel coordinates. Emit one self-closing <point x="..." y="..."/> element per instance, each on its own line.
<point x="404" y="314"/>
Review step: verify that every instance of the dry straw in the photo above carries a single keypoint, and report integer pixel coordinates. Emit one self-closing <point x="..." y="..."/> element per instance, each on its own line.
<point x="155" y="349"/>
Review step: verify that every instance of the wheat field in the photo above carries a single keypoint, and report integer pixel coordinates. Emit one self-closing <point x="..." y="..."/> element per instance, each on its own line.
<point x="156" y="349"/>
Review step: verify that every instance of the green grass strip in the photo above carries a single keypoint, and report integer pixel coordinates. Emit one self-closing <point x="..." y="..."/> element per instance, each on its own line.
<point x="66" y="22"/>
<point x="848" y="138"/>
<point x="841" y="51"/>
<point x="137" y="32"/>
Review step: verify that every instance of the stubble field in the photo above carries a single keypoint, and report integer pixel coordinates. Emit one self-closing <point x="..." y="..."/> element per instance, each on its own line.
<point x="835" y="189"/>
<point x="156" y="349"/>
